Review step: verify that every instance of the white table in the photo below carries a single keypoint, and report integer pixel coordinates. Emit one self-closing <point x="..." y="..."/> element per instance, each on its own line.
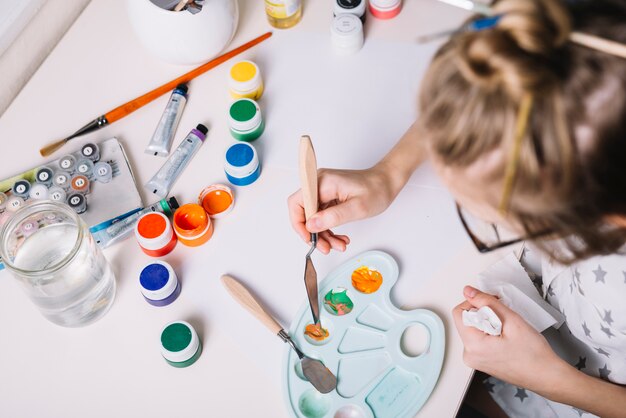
<point x="113" y="367"/>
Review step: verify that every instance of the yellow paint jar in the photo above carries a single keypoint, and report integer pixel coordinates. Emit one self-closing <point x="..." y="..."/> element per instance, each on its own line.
<point x="245" y="81"/>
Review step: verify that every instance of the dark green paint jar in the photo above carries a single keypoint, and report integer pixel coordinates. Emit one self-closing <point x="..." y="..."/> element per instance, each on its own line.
<point x="245" y="120"/>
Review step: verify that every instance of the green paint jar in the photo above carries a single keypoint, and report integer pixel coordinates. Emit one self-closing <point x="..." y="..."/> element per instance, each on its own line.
<point x="245" y="120"/>
<point x="180" y="345"/>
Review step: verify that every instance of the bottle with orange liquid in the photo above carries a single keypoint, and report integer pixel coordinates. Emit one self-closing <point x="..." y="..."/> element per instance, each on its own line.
<point x="283" y="14"/>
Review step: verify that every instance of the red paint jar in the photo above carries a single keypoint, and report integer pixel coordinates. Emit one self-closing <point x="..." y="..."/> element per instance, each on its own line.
<point x="385" y="9"/>
<point x="155" y="234"/>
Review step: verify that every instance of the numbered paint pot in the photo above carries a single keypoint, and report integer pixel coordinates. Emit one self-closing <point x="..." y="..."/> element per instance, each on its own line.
<point x="77" y="202"/>
<point x="217" y="200"/>
<point x="245" y="120"/>
<point x="192" y="225"/>
<point x="62" y="179"/>
<point x="245" y="81"/>
<point x="103" y="172"/>
<point x="91" y="151"/>
<point x="242" y="166"/>
<point x="80" y="184"/>
<point x="21" y="188"/>
<point x="67" y="163"/>
<point x="57" y="194"/>
<point x="38" y="191"/>
<point x="180" y="344"/>
<point x="346" y="34"/>
<point x="159" y="284"/>
<point x="385" y="9"/>
<point x="14" y="203"/>
<point x="155" y="234"/>
<point x="44" y="176"/>
<point x="85" y="167"/>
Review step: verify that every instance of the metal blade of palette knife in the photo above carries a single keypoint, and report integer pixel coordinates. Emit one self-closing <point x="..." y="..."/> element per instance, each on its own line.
<point x="310" y="281"/>
<point x="319" y="375"/>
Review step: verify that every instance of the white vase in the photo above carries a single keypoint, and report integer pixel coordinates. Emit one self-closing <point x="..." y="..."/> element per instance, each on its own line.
<point x="183" y="37"/>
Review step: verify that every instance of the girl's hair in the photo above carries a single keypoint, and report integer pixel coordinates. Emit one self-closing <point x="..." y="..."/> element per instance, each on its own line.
<point x="572" y="168"/>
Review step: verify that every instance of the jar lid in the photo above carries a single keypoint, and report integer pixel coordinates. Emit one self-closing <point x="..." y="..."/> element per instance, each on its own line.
<point x="356" y="7"/>
<point x="153" y="231"/>
<point x="347" y="33"/>
<point x="38" y="191"/>
<point x="179" y="341"/>
<point x="244" y="76"/>
<point x="241" y="160"/>
<point x="217" y="200"/>
<point x="244" y="115"/>
<point x="44" y="175"/>
<point x="191" y="221"/>
<point x="158" y="280"/>
<point x="385" y="4"/>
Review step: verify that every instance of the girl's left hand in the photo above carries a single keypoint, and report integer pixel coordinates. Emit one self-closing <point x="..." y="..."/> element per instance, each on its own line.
<point x="520" y="356"/>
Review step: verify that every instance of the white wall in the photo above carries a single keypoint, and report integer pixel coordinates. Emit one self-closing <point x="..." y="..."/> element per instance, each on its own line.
<point x="29" y="30"/>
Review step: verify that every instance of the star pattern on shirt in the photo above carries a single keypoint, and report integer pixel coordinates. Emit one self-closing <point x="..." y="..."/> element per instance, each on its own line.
<point x="521" y="394"/>
<point x="599" y="273"/>
<point x="607" y="317"/>
<point x="582" y="363"/>
<point x="550" y="291"/>
<point x="586" y="330"/>
<point x="607" y="331"/>
<point x="489" y="386"/>
<point x="604" y="372"/>
<point x="602" y="352"/>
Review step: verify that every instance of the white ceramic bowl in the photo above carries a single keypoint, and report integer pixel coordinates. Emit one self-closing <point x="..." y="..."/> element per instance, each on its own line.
<point x="183" y="37"/>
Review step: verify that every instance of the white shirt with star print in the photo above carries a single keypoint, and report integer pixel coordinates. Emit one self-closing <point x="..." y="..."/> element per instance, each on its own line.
<point x="591" y="294"/>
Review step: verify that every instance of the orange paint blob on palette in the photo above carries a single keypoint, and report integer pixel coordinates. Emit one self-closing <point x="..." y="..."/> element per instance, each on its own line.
<point x="366" y="280"/>
<point x="316" y="332"/>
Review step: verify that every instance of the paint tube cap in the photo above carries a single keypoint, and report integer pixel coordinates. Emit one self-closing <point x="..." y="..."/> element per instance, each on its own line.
<point x="241" y="160"/>
<point x="154" y="231"/>
<point x="217" y="200"/>
<point x="346" y="33"/>
<point x="244" y="77"/>
<point x="182" y="88"/>
<point x="203" y="129"/>
<point x="179" y="342"/>
<point x="244" y="115"/>
<point x="169" y="205"/>
<point x="158" y="280"/>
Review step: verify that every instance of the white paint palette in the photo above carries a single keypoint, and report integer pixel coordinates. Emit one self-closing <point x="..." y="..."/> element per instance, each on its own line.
<point x="375" y="378"/>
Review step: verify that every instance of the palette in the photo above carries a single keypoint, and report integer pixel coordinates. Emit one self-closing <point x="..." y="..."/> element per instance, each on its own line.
<point x="375" y="378"/>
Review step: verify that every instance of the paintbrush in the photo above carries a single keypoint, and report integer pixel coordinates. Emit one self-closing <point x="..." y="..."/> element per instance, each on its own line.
<point x="129" y="107"/>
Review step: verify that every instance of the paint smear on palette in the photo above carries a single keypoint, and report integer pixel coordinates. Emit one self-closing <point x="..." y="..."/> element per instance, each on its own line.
<point x="338" y="302"/>
<point x="316" y="332"/>
<point x="366" y="280"/>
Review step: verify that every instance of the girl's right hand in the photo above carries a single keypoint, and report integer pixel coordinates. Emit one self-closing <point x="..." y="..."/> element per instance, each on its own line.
<point x="344" y="196"/>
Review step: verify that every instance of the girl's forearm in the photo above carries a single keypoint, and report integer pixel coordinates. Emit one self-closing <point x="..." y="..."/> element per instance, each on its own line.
<point x="403" y="159"/>
<point x="591" y="394"/>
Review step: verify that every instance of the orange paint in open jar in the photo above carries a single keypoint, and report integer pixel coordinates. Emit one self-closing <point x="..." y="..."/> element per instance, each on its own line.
<point x="192" y="225"/>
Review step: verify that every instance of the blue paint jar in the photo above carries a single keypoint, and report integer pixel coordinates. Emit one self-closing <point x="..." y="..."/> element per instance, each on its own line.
<point x="242" y="166"/>
<point x="159" y="284"/>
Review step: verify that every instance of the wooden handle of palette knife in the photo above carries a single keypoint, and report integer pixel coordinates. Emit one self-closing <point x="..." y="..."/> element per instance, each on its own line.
<point x="239" y="292"/>
<point x="308" y="176"/>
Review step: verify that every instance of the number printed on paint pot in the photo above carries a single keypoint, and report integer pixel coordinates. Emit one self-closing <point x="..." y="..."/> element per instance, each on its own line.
<point x="43" y="176"/>
<point x="15" y="204"/>
<point x="75" y="200"/>
<point x="20" y="188"/>
<point x="28" y="226"/>
<point x="79" y="182"/>
<point x="56" y="196"/>
<point x="87" y="151"/>
<point x="103" y="171"/>
<point x="67" y="163"/>
<point x="61" y="179"/>
<point x="83" y="168"/>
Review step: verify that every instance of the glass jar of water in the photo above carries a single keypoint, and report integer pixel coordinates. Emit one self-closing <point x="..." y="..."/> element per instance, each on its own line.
<point x="51" y="252"/>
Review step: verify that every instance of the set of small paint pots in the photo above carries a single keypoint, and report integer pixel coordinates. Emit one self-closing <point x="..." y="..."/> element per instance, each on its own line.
<point x="191" y="223"/>
<point x="179" y="341"/>
<point x="67" y="179"/>
<point x="346" y="30"/>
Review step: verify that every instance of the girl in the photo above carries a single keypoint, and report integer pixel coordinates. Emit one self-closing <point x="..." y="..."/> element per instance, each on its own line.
<point x="527" y="129"/>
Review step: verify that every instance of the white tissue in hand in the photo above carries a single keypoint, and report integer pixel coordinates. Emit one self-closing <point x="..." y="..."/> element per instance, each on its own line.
<point x="484" y="319"/>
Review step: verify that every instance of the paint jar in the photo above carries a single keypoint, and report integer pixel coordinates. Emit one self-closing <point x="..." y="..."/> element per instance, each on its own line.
<point x="245" y="81"/>
<point x="21" y="188"/>
<point x="85" y="167"/>
<point x="155" y="234"/>
<point x="159" y="284"/>
<point x="245" y="120"/>
<point x="61" y="179"/>
<point x="192" y="225"/>
<point x="57" y="194"/>
<point x="38" y="192"/>
<point x="103" y="172"/>
<point x="283" y="14"/>
<point x="67" y="163"/>
<point x="80" y="184"/>
<point x="180" y="344"/>
<point x="346" y="34"/>
<point x="77" y="202"/>
<point x="385" y="9"/>
<point x="91" y="151"/>
<point x="14" y="203"/>
<point x="242" y="166"/>
<point x="59" y="266"/>
<point x="44" y="176"/>
<point x="217" y="200"/>
<point x="355" y="7"/>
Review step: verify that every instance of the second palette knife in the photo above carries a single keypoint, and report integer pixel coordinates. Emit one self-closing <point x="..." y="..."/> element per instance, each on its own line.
<point x="308" y="182"/>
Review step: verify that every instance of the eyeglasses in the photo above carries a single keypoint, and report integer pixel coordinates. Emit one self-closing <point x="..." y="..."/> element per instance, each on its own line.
<point x="486" y="236"/>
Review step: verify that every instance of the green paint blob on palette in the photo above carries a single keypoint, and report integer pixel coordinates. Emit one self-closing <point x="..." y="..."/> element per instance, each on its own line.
<point x="376" y="378"/>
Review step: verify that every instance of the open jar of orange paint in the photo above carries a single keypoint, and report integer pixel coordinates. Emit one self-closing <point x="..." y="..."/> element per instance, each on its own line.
<point x="192" y="225"/>
<point x="217" y="200"/>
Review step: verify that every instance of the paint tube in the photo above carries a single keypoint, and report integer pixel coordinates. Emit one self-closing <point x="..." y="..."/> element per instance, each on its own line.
<point x="163" y="180"/>
<point x="124" y="228"/>
<point x="161" y="141"/>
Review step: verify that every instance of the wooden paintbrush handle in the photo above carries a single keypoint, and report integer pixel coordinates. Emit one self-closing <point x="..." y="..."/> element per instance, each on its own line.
<point x="308" y="176"/>
<point x="127" y="108"/>
<point x="239" y="292"/>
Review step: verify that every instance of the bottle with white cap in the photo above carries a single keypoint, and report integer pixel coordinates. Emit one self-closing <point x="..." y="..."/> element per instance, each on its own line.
<point x="180" y="344"/>
<point x="355" y="7"/>
<point x="346" y="33"/>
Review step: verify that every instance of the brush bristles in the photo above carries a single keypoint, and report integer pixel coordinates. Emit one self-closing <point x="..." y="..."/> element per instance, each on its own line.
<point x="50" y="149"/>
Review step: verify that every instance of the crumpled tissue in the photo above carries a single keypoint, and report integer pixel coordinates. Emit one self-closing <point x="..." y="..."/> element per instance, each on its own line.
<point x="485" y="319"/>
